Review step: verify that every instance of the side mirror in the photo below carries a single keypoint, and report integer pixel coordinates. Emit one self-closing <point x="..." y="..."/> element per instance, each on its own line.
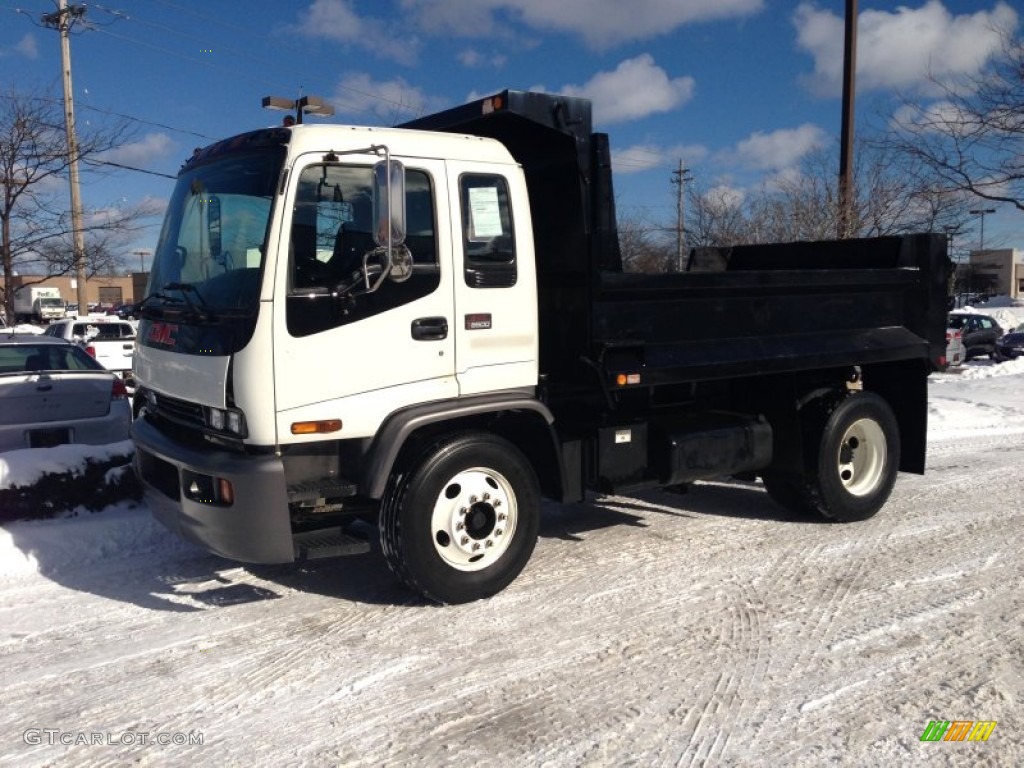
<point x="389" y="202"/>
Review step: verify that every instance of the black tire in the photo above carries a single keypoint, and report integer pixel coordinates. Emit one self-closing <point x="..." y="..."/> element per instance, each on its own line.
<point x="852" y="457"/>
<point x="858" y="458"/>
<point x="459" y="520"/>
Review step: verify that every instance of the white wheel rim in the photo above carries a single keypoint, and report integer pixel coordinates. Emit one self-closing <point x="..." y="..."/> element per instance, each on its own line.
<point x="861" y="457"/>
<point x="474" y="519"/>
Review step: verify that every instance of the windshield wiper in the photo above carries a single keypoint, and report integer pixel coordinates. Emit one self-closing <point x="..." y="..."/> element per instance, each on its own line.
<point x="200" y="311"/>
<point x="142" y="304"/>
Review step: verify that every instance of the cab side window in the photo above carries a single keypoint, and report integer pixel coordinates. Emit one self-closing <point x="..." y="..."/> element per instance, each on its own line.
<point x="488" y="240"/>
<point x="332" y="232"/>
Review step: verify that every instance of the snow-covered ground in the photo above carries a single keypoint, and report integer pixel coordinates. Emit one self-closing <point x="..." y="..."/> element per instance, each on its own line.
<point x="702" y="629"/>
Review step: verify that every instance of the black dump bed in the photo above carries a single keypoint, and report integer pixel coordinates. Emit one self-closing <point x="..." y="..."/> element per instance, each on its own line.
<point x="739" y="312"/>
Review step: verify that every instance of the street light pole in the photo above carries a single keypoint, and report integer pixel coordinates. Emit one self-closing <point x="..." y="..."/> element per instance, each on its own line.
<point x="981" y="212"/>
<point x="311" y="105"/>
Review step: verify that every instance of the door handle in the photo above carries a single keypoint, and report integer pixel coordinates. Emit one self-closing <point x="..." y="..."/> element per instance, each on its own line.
<point x="430" y="328"/>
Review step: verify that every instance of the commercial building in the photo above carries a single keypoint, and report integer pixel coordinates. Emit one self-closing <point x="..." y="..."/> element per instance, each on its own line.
<point x="109" y="290"/>
<point x="998" y="272"/>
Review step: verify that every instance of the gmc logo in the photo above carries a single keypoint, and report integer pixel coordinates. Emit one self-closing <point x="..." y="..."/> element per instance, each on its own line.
<point x="162" y="334"/>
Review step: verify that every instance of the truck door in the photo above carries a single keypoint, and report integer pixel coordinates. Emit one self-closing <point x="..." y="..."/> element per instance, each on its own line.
<point x="494" y="280"/>
<point x="340" y="351"/>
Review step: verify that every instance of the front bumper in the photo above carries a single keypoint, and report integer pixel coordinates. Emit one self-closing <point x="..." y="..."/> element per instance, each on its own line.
<point x="255" y="528"/>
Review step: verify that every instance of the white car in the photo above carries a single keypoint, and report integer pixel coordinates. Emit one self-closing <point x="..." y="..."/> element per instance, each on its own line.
<point x="53" y="393"/>
<point x="956" y="352"/>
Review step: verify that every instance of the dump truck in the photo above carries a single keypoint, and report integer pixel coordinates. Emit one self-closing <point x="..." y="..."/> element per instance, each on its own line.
<point x="425" y="331"/>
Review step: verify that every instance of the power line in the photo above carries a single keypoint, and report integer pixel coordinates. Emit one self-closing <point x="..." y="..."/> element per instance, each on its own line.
<point x="128" y="168"/>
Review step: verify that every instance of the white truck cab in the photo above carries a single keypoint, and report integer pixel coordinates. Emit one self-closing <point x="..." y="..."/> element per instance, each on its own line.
<point x="279" y="336"/>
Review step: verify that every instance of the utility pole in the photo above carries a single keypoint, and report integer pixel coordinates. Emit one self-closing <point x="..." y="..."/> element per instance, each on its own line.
<point x="846" y="192"/>
<point x="679" y="178"/>
<point x="62" y="21"/>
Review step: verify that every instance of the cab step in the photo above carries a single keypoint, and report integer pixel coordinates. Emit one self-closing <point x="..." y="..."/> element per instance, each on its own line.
<point x="326" y="488"/>
<point x="328" y="542"/>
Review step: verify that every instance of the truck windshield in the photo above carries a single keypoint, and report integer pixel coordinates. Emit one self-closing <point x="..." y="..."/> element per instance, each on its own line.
<point x="213" y="240"/>
<point x="51" y="302"/>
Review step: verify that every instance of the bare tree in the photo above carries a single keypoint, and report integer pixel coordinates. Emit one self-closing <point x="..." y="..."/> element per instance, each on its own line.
<point x="717" y="216"/>
<point x="972" y="138"/>
<point x="643" y="244"/>
<point x="35" y="220"/>
<point x="892" y="196"/>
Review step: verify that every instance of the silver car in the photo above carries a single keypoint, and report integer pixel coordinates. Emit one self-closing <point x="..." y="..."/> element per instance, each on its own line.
<point x="52" y="393"/>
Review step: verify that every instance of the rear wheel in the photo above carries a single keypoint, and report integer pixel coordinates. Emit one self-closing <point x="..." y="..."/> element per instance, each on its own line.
<point x="459" y="522"/>
<point x="853" y="469"/>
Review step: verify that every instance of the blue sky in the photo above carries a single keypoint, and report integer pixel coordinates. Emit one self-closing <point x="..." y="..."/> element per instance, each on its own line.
<point x="739" y="90"/>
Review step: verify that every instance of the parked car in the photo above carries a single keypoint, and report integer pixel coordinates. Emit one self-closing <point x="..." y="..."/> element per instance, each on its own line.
<point x="980" y="333"/>
<point x="53" y="393"/>
<point x="955" y="350"/>
<point x="1010" y="346"/>
<point x="110" y="341"/>
<point x="124" y="311"/>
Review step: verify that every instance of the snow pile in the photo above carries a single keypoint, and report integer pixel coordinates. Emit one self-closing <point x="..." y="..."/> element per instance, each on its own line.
<point x="23" y="328"/>
<point x="125" y="529"/>
<point x="1009" y="313"/>
<point x="27" y="466"/>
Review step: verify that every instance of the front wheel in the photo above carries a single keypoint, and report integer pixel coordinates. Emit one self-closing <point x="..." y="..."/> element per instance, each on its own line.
<point x="460" y="520"/>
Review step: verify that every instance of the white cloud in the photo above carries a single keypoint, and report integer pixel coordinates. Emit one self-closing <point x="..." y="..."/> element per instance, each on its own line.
<point x="901" y="48"/>
<point x="778" y="150"/>
<point x="389" y="101"/>
<point x="925" y="118"/>
<point x="337" y="20"/>
<point x="601" y="23"/>
<point x="26" y="47"/>
<point x="644" y="157"/>
<point x="471" y="58"/>
<point x="636" y="88"/>
<point x="726" y="196"/>
<point x="139" y="154"/>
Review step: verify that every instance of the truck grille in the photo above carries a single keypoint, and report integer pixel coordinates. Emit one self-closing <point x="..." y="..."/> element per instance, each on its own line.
<point x="180" y="411"/>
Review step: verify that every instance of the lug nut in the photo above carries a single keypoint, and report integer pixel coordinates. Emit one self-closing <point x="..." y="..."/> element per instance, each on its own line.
<point x="498" y="532"/>
<point x="473" y="499"/>
<point x="476" y="546"/>
<point x="502" y="516"/>
<point x="464" y="540"/>
<point x="463" y="511"/>
<point x="489" y="543"/>
<point x="487" y="496"/>
<point x="497" y="503"/>
<point x="460" y="527"/>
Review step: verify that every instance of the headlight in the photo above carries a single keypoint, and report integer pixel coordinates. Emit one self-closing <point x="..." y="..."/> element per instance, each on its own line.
<point x="228" y="420"/>
<point x="216" y="419"/>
